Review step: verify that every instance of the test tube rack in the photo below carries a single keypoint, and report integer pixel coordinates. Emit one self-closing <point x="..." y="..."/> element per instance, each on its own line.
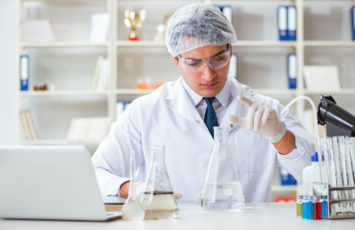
<point x="349" y="200"/>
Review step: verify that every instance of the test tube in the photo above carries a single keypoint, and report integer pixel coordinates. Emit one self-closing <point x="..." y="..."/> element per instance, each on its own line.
<point x="326" y="164"/>
<point x="351" y="165"/>
<point x="344" y="169"/>
<point x="332" y="172"/>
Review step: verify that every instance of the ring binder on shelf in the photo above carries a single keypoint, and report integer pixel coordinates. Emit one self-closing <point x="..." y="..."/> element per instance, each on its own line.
<point x="282" y="22"/>
<point x="227" y="11"/>
<point x="291" y="23"/>
<point x="353" y="22"/>
<point x="292" y="70"/>
<point x="24" y="71"/>
<point x="233" y="66"/>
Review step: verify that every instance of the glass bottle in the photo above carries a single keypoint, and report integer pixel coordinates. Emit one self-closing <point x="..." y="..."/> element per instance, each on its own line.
<point x="158" y="199"/>
<point x="132" y="209"/>
<point x="222" y="189"/>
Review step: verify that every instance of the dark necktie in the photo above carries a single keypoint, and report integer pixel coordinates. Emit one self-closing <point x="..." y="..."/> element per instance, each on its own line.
<point x="210" y="115"/>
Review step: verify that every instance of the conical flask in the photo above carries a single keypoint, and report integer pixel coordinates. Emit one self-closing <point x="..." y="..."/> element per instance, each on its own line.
<point x="158" y="199"/>
<point x="222" y="189"/>
<point x="132" y="209"/>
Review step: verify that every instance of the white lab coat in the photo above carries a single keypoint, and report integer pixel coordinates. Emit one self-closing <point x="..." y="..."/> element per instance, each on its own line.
<point x="168" y="117"/>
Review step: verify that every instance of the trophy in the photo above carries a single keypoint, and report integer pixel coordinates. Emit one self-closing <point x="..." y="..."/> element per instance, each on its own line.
<point x="133" y="20"/>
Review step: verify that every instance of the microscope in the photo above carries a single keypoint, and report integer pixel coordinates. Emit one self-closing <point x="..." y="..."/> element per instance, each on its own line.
<point x="338" y="121"/>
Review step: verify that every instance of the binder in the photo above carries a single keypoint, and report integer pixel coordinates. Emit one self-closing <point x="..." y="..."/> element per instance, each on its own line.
<point x="233" y="66"/>
<point x="353" y="21"/>
<point x="291" y="23"/>
<point x="99" y="27"/>
<point x="227" y="11"/>
<point x="282" y="22"/>
<point x="292" y="70"/>
<point x="24" y="71"/>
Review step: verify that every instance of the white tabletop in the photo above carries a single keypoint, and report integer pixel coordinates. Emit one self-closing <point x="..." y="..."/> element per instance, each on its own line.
<point x="257" y="216"/>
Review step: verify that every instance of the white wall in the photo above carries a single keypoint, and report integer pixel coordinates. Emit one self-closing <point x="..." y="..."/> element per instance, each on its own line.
<point x="8" y="67"/>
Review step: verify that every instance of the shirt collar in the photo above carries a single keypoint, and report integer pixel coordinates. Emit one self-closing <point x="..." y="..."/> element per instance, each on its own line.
<point x="222" y="96"/>
<point x="192" y="94"/>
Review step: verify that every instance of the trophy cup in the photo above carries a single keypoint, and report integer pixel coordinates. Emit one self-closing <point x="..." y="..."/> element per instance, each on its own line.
<point x="133" y="20"/>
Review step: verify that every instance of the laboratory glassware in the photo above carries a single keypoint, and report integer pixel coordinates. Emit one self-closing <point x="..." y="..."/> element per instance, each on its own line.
<point x="158" y="200"/>
<point x="132" y="209"/>
<point x="222" y="189"/>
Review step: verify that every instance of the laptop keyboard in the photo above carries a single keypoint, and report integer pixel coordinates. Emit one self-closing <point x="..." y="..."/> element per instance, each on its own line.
<point x="112" y="213"/>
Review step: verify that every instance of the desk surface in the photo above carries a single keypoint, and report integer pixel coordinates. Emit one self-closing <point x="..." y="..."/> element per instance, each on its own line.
<point x="258" y="216"/>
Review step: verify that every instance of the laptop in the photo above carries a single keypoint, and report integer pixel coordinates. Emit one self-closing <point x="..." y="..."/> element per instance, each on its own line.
<point x="50" y="182"/>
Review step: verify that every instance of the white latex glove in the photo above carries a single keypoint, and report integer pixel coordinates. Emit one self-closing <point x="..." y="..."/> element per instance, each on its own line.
<point x="261" y="119"/>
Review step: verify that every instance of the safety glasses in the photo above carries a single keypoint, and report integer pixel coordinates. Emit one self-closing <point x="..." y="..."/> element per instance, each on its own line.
<point x="215" y="62"/>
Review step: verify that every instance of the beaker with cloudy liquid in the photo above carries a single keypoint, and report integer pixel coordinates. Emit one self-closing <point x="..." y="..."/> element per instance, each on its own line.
<point x="222" y="189"/>
<point x="158" y="200"/>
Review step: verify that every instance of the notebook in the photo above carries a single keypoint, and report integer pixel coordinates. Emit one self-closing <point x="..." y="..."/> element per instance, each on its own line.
<point x="50" y="182"/>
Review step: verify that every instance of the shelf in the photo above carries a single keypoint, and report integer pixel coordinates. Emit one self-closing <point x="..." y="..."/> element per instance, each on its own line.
<point x="284" y="188"/>
<point x="133" y="91"/>
<point x="241" y="43"/>
<point x="276" y="91"/>
<point x="329" y="43"/>
<point x="246" y="43"/>
<point x="327" y="0"/>
<point x="65" y="93"/>
<point x="342" y="91"/>
<point x="64" y="45"/>
<point x="64" y="1"/>
<point x="147" y="44"/>
<point x="260" y="91"/>
<point x="208" y="1"/>
<point x="57" y="142"/>
<point x="118" y="52"/>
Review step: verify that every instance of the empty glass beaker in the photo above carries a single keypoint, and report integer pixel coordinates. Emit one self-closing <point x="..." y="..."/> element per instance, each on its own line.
<point x="158" y="199"/>
<point x="222" y="189"/>
<point x="132" y="209"/>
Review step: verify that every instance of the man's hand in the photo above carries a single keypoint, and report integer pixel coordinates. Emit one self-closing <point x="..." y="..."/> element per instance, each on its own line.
<point x="261" y="119"/>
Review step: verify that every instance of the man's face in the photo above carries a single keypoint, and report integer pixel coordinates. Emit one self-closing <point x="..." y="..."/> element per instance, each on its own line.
<point x="207" y="82"/>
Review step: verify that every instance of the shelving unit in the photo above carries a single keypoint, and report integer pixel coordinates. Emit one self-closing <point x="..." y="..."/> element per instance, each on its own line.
<point x="261" y="57"/>
<point x="71" y="56"/>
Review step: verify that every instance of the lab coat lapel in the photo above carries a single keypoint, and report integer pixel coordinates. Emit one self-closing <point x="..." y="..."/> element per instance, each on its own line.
<point x="181" y="103"/>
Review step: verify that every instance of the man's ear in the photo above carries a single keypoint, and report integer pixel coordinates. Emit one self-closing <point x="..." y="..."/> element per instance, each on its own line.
<point x="176" y="62"/>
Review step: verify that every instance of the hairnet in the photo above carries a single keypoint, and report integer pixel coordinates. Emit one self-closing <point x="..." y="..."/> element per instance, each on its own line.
<point x="197" y="25"/>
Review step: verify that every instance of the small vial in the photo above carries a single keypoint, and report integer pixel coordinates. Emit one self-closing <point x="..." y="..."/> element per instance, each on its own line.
<point x="324" y="201"/>
<point x="307" y="207"/>
<point x="299" y="205"/>
<point x="317" y="208"/>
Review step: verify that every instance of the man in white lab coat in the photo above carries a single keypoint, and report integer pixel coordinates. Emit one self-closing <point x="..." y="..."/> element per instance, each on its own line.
<point x="180" y="115"/>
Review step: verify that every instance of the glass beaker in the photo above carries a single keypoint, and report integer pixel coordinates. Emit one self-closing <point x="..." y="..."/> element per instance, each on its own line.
<point x="222" y="189"/>
<point x="132" y="209"/>
<point x="158" y="199"/>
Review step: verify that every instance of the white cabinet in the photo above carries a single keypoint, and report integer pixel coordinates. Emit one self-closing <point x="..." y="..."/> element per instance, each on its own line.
<point x="323" y="38"/>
